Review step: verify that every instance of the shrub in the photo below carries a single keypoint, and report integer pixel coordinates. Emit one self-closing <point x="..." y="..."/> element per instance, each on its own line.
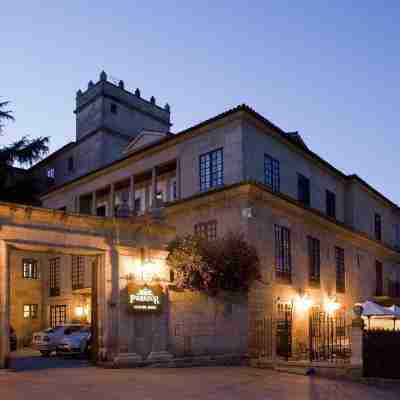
<point x="228" y="263"/>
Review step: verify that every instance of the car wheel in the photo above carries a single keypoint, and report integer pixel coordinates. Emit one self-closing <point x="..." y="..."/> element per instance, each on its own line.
<point x="45" y="353"/>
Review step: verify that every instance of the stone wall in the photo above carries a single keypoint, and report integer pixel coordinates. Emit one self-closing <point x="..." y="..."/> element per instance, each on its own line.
<point x="26" y="291"/>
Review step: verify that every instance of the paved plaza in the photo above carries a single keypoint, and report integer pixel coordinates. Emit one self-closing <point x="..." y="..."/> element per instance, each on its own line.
<point x="75" y="379"/>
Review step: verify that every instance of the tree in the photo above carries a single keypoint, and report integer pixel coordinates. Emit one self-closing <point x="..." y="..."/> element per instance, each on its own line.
<point x="25" y="152"/>
<point x="224" y="264"/>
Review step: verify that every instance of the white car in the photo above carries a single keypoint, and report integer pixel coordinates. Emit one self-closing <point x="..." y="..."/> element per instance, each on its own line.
<point x="47" y="341"/>
<point x="75" y="341"/>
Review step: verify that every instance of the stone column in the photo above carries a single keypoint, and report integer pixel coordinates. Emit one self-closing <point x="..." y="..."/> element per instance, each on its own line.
<point x="112" y="200"/>
<point x="78" y="204"/>
<point x="114" y="303"/>
<point x="178" y="178"/>
<point x="356" y="359"/>
<point x="154" y="187"/>
<point x="132" y="193"/>
<point x="4" y="305"/>
<point x="94" y="203"/>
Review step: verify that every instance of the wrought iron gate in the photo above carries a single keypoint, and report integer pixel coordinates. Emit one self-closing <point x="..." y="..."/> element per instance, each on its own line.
<point x="329" y="336"/>
<point x="261" y="334"/>
<point x="284" y="322"/>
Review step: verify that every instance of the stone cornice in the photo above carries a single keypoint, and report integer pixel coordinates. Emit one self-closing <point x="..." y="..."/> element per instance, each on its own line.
<point x="256" y="193"/>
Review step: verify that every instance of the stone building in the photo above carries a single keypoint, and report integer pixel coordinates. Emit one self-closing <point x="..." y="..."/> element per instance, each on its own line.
<point x="127" y="185"/>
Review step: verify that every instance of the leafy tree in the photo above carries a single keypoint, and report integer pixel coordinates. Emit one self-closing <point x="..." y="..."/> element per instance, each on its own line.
<point x="25" y="152"/>
<point x="224" y="264"/>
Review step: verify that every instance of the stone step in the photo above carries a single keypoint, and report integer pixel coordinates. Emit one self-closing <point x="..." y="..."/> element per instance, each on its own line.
<point x="292" y="369"/>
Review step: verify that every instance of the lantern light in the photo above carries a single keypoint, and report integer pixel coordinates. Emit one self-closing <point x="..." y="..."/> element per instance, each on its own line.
<point x="331" y="305"/>
<point x="304" y="302"/>
<point x="79" y="311"/>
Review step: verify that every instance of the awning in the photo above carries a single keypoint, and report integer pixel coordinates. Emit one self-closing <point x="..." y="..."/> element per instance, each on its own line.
<point x="395" y="310"/>
<point x="371" y="309"/>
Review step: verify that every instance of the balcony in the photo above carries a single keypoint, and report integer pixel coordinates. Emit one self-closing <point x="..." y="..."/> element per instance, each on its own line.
<point x="134" y="195"/>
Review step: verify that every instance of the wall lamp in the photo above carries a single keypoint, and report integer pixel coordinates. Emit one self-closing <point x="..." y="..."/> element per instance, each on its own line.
<point x="303" y="302"/>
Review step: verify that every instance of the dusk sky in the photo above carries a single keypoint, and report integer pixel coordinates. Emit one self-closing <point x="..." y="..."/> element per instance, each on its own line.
<point x="329" y="71"/>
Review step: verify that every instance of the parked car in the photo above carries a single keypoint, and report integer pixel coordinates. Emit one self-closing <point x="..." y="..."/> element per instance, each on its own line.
<point x="46" y="341"/>
<point x="13" y="339"/>
<point x="75" y="342"/>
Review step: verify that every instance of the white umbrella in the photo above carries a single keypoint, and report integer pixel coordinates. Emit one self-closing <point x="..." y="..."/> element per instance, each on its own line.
<point x="371" y="309"/>
<point x="395" y="309"/>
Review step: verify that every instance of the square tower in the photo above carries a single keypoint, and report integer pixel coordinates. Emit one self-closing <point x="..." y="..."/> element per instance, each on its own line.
<point x="106" y="106"/>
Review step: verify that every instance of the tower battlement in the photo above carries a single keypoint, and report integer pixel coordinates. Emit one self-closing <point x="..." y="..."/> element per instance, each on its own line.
<point x="108" y="105"/>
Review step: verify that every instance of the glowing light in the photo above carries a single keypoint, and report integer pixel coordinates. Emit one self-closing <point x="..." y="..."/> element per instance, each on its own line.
<point x="331" y="306"/>
<point x="79" y="311"/>
<point x="304" y="302"/>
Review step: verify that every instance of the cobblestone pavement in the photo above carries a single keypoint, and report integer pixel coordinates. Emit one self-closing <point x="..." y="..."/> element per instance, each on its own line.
<point x="82" y="381"/>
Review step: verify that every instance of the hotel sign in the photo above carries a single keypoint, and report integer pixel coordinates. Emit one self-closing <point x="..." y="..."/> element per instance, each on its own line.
<point x="145" y="298"/>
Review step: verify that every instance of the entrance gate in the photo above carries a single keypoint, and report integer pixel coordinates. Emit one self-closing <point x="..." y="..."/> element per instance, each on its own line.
<point x="261" y="333"/>
<point x="284" y="323"/>
<point x="329" y="336"/>
<point x="267" y="332"/>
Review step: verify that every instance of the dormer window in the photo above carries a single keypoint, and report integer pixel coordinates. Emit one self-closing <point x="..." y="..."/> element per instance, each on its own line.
<point x="51" y="173"/>
<point x="113" y="108"/>
<point x="70" y="164"/>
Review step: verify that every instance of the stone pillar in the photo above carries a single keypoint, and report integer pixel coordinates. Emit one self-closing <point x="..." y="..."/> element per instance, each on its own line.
<point x="4" y="305"/>
<point x="112" y="200"/>
<point x="357" y="326"/>
<point x="94" y="203"/>
<point x="154" y="187"/>
<point x="132" y="193"/>
<point x="78" y="204"/>
<point x="178" y="179"/>
<point x="159" y="351"/>
<point x="114" y="303"/>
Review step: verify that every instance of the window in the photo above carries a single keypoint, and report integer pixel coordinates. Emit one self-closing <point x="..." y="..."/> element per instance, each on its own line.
<point x="397" y="235"/>
<point x="55" y="279"/>
<point x="340" y="270"/>
<point x="58" y="315"/>
<point x="211" y="169"/>
<point x="30" y="311"/>
<point x="207" y="230"/>
<point x="314" y="260"/>
<point x="378" y="278"/>
<point x="78" y="272"/>
<point x="271" y="173"/>
<point x="30" y="269"/>
<point x="70" y="164"/>
<point x="283" y="259"/>
<point x="101" y="210"/>
<point x="330" y="204"/>
<point x="394" y="282"/>
<point x="138" y="205"/>
<point x="303" y="186"/>
<point x="378" y="227"/>
<point x="173" y="191"/>
<point x="51" y="173"/>
<point x="113" y="108"/>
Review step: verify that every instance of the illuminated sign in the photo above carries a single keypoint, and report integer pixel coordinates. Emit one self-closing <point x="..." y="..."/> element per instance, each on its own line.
<point x="145" y="298"/>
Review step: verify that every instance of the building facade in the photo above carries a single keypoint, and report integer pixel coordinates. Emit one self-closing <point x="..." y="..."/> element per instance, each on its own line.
<point x="326" y="240"/>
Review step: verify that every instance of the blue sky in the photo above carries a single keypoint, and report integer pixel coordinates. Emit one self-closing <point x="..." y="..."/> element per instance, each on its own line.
<point x="329" y="71"/>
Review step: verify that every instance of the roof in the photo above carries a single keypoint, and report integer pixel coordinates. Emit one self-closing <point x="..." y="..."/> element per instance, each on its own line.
<point x="292" y="137"/>
<point x="53" y="155"/>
